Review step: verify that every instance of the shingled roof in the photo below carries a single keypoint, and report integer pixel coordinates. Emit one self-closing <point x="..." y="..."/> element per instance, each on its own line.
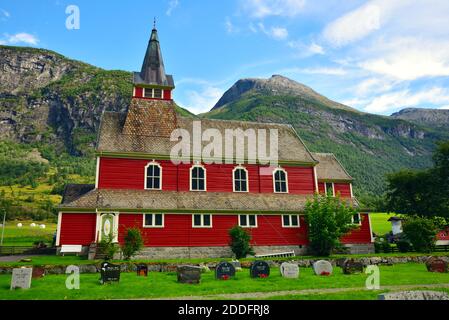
<point x="172" y="201"/>
<point x="329" y="168"/>
<point x="116" y="137"/>
<point x="73" y="192"/>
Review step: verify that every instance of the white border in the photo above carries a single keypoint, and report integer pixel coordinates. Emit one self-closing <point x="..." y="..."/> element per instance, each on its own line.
<point x="370" y="227"/>
<point x="325" y="188"/>
<point x="58" y="231"/>
<point x="154" y="220"/>
<point x="205" y="177"/>
<point x="290" y="220"/>
<point x="247" y="220"/>
<point x="350" y="187"/>
<point x="153" y="163"/>
<point x="240" y="167"/>
<point x="360" y="219"/>
<point x="202" y="226"/>
<point x="97" y="173"/>
<point x="274" y="179"/>
<point x="316" y="180"/>
<point x="115" y="221"/>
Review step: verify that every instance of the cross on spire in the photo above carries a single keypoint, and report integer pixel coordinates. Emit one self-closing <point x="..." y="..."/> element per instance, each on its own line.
<point x="154" y="23"/>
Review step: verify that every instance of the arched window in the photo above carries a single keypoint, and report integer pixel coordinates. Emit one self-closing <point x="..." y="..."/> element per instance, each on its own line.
<point x="153" y="176"/>
<point x="197" y="178"/>
<point x="280" y="181"/>
<point x="240" y="177"/>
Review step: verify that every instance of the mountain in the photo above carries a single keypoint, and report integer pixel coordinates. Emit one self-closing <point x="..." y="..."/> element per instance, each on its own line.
<point x="368" y="145"/>
<point x="425" y="117"/>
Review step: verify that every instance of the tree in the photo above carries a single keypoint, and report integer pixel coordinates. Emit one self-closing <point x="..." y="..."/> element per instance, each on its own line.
<point x="328" y="219"/>
<point x="240" y="242"/>
<point x="421" y="232"/>
<point x="132" y="243"/>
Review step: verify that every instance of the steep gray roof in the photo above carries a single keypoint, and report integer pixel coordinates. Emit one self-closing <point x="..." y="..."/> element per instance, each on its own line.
<point x="73" y="192"/>
<point x="153" y="70"/>
<point x="329" y="168"/>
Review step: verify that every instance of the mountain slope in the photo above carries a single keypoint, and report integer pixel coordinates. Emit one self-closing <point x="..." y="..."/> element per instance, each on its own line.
<point x="425" y="117"/>
<point x="368" y="145"/>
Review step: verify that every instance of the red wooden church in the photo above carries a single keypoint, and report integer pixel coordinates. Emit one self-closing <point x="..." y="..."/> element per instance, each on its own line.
<point x="186" y="210"/>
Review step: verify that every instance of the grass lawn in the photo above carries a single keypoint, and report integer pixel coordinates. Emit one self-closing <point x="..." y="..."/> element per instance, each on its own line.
<point x="26" y="236"/>
<point x="380" y="223"/>
<point x="165" y="284"/>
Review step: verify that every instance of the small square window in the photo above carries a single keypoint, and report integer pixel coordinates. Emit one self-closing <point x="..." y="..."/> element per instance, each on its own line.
<point x="290" y="221"/>
<point x="202" y="221"/>
<point x="152" y="220"/>
<point x="148" y="93"/>
<point x="248" y="221"/>
<point x="157" y="93"/>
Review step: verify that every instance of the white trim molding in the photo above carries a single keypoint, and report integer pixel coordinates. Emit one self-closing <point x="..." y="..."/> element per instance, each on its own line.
<point x="153" y="163"/>
<point x="370" y="227"/>
<point x="58" y="230"/>
<point x="153" y="219"/>
<point x="97" y="173"/>
<point x="274" y="180"/>
<point x="290" y="221"/>
<point x="316" y="180"/>
<point x="240" y="167"/>
<point x="205" y="177"/>
<point x="247" y="225"/>
<point x="202" y="225"/>
<point x="350" y="188"/>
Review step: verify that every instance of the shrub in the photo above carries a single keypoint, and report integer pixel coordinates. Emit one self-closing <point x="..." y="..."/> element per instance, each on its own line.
<point x="421" y="232"/>
<point x="108" y="247"/>
<point x="133" y="243"/>
<point x="240" y="242"/>
<point x="403" y="246"/>
<point x="329" y="219"/>
<point x="386" y="246"/>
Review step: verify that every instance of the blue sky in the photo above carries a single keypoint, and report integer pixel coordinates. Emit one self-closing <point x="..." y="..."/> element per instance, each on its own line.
<point x="378" y="56"/>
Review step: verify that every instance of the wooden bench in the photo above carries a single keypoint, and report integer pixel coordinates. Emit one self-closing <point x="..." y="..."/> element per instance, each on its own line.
<point x="276" y="255"/>
<point x="71" y="249"/>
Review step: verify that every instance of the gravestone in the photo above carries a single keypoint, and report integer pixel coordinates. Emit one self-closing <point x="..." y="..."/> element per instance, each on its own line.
<point x="289" y="270"/>
<point x="351" y="267"/>
<point x="21" y="278"/>
<point x="322" y="268"/>
<point x="142" y="270"/>
<point x="224" y="271"/>
<point x="189" y="274"/>
<point x="414" y="295"/>
<point x="109" y="273"/>
<point x="237" y="265"/>
<point x="259" y="269"/>
<point x="38" y="272"/>
<point x="435" y="264"/>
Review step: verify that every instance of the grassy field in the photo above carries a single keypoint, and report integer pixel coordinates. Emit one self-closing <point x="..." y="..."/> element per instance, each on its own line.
<point x="27" y="235"/>
<point x="158" y="284"/>
<point x="380" y="223"/>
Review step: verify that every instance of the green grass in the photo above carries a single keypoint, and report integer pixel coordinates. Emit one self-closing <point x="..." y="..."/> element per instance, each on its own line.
<point x="380" y="223"/>
<point x="165" y="284"/>
<point x="27" y="235"/>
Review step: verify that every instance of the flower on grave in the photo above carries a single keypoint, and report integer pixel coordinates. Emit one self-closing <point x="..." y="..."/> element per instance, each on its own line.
<point x="263" y="275"/>
<point x="225" y="277"/>
<point x="325" y="273"/>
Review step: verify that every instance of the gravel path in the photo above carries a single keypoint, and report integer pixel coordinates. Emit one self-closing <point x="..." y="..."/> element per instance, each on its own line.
<point x="265" y="295"/>
<point x="13" y="258"/>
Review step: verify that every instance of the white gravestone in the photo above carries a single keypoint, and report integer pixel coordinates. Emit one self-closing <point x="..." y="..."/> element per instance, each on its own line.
<point x="322" y="268"/>
<point x="289" y="270"/>
<point x="21" y="278"/>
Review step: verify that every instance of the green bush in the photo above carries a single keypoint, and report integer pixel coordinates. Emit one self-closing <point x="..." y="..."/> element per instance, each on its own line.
<point x="421" y="232"/>
<point x="328" y="219"/>
<point x="386" y="247"/>
<point x="240" y="242"/>
<point x="108" y="247"/>
<point x="404" y="246"/>
<point x="133" y="243"/>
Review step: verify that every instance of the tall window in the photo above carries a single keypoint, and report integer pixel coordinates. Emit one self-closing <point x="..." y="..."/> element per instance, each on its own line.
<point x="357" y="219"/>
<point x="153" y="174"/>
<point x="248" y="220"/>
<point x="197" y="178"/>
<point x="153" y="220"/>
<point x="202" y="221"/>
<point x="330" y="189"/>
<point x="240" y="180"/>
<point x="280" y="181"/>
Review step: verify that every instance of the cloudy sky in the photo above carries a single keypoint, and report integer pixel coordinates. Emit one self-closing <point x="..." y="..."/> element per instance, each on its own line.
<point x="378" y="56"/>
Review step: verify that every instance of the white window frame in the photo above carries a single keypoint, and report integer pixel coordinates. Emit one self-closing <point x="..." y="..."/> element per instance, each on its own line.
<point x="360" y="219"/>
<point x="205" y="177"/>
<point x="333" y="188"/>
<point x="274" y="180"/>
<point x="247" y="221"/>
<point x="233" y="178"/>
<point x="152" y="93"/>
<point x="290" y="221"/>
<point x="153" y="226"/>
<point x="153" y="163"/>
<point x="202" y="226"/>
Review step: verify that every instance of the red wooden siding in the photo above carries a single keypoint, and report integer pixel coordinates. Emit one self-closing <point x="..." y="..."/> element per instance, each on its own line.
<point x="138" y="92"/>
<point x="167" y="95"/>
<point x="78" y="228"/>
<point x="361" y="235"/>
<point x="344" y="189"/>
<point x="117" y="173"/>
<point x="178" y="231"/>
<point x="321" y="188"/>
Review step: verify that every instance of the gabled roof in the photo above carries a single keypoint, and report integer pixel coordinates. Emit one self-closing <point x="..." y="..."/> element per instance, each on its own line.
<point x="153" y="70"/>
<point x="172" y="201"/>
<point x="73" y="192"/>
<point x="329" y="168"/>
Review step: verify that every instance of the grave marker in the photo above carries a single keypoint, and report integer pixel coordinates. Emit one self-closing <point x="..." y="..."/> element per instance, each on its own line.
<point x="142" y="270"/>
<point x="224" y="271"/>
<point x="289" y="270"/>
<point x="259" y="269"/>
<point x="435" y="264"/>
<point x="351" y="266"/>
<point x="109" y="273"/>
<point x="21" y="278"/>
<point x="322" y="268"/>
<point x="189" y="274"/>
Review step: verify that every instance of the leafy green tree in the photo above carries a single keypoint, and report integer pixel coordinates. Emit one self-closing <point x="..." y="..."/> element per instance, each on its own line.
<point x="329" y="219"/>
<point x="240" y="242"/>
<point x="421" y="232"/>
<point x="133" y="242"/>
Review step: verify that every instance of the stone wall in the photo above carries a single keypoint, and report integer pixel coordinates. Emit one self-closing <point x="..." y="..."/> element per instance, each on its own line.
<point x="361" y="248"/>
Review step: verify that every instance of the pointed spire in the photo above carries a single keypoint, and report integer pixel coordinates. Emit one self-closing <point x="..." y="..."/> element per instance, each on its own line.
<point x="153" y="70"/>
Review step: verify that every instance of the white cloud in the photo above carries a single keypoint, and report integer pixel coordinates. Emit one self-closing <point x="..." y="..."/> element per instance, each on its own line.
<point x="400" y="99"/>
<point x="277" y="33"/>
<point x="303" y="50"/>
<point x="5" y="13"/>
<point x="172" y="5"/>
<point x="230" y="27"/>
<point x="199" y="102"/>
<point x="20" y="38"/>
<point x="444" y="108"/>
<point x="374" y="85"/>
<point x="265" y="8"/>
<point x="319" y="70"/>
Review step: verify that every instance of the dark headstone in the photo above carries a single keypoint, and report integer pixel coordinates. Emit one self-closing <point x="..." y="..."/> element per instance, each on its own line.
<point x="142" y="270"/>
<point x="38" y="272"/>
<point x="435" y="264"/>
<point x="189" y="274"/>
<point x="109" y="273"/>
<point x="351" y="266"/>
<point x="224" y="271"/>
<point x="259" y="269"/>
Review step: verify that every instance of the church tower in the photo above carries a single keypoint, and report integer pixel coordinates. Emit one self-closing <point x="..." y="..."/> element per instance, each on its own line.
<point x="152" y="111"/>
